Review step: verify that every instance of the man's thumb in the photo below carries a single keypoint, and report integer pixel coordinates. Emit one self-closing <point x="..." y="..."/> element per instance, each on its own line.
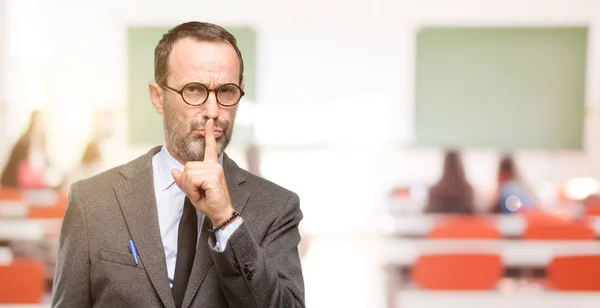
<point x="176" y="173"/>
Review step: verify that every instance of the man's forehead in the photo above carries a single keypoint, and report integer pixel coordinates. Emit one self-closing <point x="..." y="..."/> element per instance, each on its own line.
<point x="188" y="50"/>
<point x="189" y="55"/>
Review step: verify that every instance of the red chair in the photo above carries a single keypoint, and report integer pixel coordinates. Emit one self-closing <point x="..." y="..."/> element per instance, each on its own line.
<point x="22" y="282"/>
<point x="560" y="232"/>
<point x="593" y="210"/>
<point x="464" y="227"/>
<point x="10" y="194"/>
<point x="457" y="271"/>
<point x="537" y="217"/>
<point x="548" y="227"/>
<point x="575" y="273"/>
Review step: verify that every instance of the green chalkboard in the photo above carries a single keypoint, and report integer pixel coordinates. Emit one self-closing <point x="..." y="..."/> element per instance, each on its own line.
<point x="501" y="88"/>
<point x="144" y="124"/>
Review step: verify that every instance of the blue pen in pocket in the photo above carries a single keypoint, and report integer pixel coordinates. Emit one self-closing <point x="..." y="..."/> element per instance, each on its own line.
<point x="133" y="252"/>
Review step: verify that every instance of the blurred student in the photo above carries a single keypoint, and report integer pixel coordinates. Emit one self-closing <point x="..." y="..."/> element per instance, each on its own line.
<point x="26" y="168"/>
<point x="512" y="194"/>
<point x="452" y="194"/>
<point x="28" y="161"/>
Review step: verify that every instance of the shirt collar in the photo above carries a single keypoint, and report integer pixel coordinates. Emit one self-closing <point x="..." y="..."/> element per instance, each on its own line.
<point x="166" y="163"/>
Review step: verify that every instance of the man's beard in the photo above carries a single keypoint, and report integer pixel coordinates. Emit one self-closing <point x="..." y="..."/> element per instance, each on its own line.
<point x="186" y="146"/>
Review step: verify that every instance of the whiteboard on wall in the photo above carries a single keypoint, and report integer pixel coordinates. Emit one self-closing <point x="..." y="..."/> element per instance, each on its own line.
<point x="501" y="88"/>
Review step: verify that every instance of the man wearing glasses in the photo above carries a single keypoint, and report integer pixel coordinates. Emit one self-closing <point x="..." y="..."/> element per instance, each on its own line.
<point x="183" y="225"/>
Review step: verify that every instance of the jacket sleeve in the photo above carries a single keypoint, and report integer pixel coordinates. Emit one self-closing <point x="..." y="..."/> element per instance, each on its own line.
<point x="71" y="287"/>
<point x="265" y="275"/>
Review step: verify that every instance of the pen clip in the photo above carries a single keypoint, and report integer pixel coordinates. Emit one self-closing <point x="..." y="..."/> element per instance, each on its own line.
<point x="134" y="252"/>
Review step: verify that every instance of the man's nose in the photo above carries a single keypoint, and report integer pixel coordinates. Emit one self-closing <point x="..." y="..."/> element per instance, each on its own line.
<point x="211" y="107"/>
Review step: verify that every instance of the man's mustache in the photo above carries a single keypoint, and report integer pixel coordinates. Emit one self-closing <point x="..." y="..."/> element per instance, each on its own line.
<point x="222" y="125"/>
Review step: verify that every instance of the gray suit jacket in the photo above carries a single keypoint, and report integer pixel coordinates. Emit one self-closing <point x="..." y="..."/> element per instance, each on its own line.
<point x="259" y="268"/>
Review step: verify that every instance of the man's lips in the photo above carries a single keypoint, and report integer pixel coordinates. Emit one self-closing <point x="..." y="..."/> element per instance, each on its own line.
<point x="201" y="132"/>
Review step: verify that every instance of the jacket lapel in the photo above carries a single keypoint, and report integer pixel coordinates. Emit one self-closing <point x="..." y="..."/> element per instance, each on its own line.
<point x="203" y="260"/>
<point x="138" y="204"/>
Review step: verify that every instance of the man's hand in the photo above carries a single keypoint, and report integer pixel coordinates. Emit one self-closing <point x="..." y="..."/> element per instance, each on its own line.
<point x="204" y="181"/>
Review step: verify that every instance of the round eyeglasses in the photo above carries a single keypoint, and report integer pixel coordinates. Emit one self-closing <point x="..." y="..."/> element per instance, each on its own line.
<point x="195" y="94"/>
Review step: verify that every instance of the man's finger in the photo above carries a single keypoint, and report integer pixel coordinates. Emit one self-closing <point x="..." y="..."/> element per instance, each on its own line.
<point x="192" y="189"/>
<point x="210" y="149"/>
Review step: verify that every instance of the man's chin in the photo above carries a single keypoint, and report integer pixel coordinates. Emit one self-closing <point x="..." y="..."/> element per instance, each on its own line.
<point x="195" y="147"/>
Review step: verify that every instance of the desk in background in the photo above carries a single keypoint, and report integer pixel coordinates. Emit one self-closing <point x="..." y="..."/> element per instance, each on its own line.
<point x="419" y="226"/>
<point x="515" y="253"/>
<point x="29" y="229"/>
<point x="495" y="299"/>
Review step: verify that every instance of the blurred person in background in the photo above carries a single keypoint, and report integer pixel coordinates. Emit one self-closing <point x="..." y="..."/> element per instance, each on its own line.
<point x="183" y="225"/>
<point x="26" y="168"/>
<point x="452" y="194"/>
<point x="28" y="161"/>
<point x="512" y="193"/>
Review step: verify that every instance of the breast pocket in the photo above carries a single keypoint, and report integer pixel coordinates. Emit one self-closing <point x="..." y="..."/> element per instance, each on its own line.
<point x="120" y="258"/>
<point x="116" y="281"/>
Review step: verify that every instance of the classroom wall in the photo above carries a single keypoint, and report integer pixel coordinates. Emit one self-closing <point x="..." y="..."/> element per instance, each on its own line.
<point x="337" y="77"/>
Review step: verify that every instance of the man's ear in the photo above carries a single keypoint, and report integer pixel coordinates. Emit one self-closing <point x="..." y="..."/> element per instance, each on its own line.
<point x="156" y="96"/>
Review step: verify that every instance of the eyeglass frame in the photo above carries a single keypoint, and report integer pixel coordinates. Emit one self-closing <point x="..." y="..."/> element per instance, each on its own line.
<point x="208" y="90"/>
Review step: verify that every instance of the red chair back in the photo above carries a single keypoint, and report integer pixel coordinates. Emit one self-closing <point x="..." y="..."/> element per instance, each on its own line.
<point x="465" y="227"/>
<point x="457" y="271"/>
<point x="22" y="282"/>
<point x="10" y="194"/>
<point x="575" y="273"/>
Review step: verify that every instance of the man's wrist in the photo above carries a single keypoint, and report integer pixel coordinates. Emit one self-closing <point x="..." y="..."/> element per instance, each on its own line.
<point x="225" y="219"/>
<point x="230" y="222"/>
<point x="221" y="216"/>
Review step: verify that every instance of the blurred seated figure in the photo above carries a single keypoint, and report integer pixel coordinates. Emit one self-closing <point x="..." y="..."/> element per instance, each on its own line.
<point x="512" y="194"/>
<point x="452" y="194"/>
<point x="26" y="168"/>
<point x="28" y="161"/>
